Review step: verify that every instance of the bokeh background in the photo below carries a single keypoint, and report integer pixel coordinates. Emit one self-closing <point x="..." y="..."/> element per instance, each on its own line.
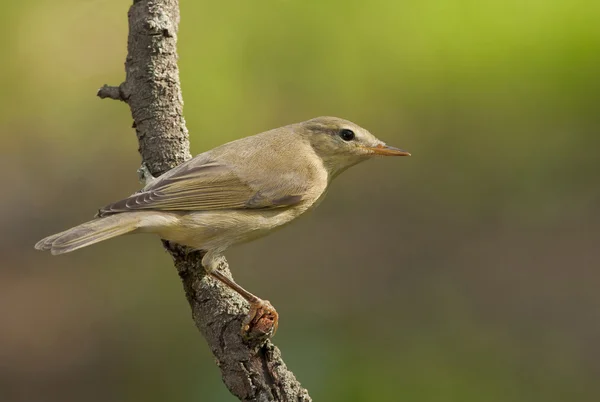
<point x="469" y="272"/>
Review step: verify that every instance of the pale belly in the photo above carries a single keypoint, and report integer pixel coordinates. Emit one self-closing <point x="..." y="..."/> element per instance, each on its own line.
<point x="218" y="230"/>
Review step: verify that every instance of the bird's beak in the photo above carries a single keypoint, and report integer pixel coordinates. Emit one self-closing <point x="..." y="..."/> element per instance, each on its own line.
<point x="386" y="150"/>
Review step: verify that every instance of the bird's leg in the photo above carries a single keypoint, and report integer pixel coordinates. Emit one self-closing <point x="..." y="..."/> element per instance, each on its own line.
<point x="262" y="319"/>
<point x="260" y="310"/>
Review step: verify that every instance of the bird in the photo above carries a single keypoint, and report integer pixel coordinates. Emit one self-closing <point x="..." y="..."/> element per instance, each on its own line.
<point x="234" y="193"/>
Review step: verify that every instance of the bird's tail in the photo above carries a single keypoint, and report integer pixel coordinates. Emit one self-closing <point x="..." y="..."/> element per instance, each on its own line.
<point x="89" y="233"/>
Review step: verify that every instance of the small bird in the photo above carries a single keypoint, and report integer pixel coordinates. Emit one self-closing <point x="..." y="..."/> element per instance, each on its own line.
<point x="234" y="193"/>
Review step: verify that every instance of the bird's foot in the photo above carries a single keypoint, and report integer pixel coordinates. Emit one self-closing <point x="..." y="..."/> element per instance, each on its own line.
<point x="262" y="320"/>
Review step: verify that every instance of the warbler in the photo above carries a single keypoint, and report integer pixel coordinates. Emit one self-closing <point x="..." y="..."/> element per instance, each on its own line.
<point x="234" y="193"/>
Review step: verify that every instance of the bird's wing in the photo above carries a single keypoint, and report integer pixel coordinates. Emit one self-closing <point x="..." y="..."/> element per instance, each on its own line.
<point x="202" y="184"/>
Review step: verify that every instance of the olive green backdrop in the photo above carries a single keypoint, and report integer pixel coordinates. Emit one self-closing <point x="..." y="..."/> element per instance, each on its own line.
<point x="468" y="272"/>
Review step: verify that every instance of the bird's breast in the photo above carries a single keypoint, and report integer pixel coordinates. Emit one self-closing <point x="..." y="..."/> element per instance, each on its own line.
<point x="222" y="229"/>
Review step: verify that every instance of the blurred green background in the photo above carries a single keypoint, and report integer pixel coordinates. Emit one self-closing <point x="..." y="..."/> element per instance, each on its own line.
<point x="468" y="272"/>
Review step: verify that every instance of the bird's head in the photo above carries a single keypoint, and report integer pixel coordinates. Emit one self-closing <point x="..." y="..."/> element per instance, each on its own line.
<point x="341" y="143"/>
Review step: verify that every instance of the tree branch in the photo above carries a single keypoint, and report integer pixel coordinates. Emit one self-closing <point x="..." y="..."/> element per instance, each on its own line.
<point x="253" y="370"/>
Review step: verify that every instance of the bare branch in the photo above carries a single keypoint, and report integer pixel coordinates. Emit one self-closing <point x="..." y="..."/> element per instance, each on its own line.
<point x="253" y="370"/>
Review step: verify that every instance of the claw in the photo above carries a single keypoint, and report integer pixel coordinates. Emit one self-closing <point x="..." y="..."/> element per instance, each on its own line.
<point x="262" y="320"/>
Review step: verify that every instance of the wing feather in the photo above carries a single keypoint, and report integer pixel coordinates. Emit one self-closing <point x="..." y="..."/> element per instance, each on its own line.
<point x="202" y="185"/>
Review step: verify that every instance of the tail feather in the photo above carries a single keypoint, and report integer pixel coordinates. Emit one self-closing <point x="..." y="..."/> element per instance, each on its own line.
<point x="89" y="233"/>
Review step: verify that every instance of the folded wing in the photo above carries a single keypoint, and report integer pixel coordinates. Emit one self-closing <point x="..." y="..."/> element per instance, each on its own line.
<point x="202" y="185"/>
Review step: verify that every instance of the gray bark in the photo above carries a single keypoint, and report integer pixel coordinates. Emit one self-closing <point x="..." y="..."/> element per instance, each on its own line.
<point x="252" y="369"/>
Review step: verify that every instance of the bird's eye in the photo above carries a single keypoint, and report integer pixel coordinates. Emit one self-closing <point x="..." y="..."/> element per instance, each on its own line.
<point x="347" y="135"/>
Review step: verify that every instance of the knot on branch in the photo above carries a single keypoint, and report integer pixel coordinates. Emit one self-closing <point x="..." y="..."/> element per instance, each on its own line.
<point x="116" y="93"/>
